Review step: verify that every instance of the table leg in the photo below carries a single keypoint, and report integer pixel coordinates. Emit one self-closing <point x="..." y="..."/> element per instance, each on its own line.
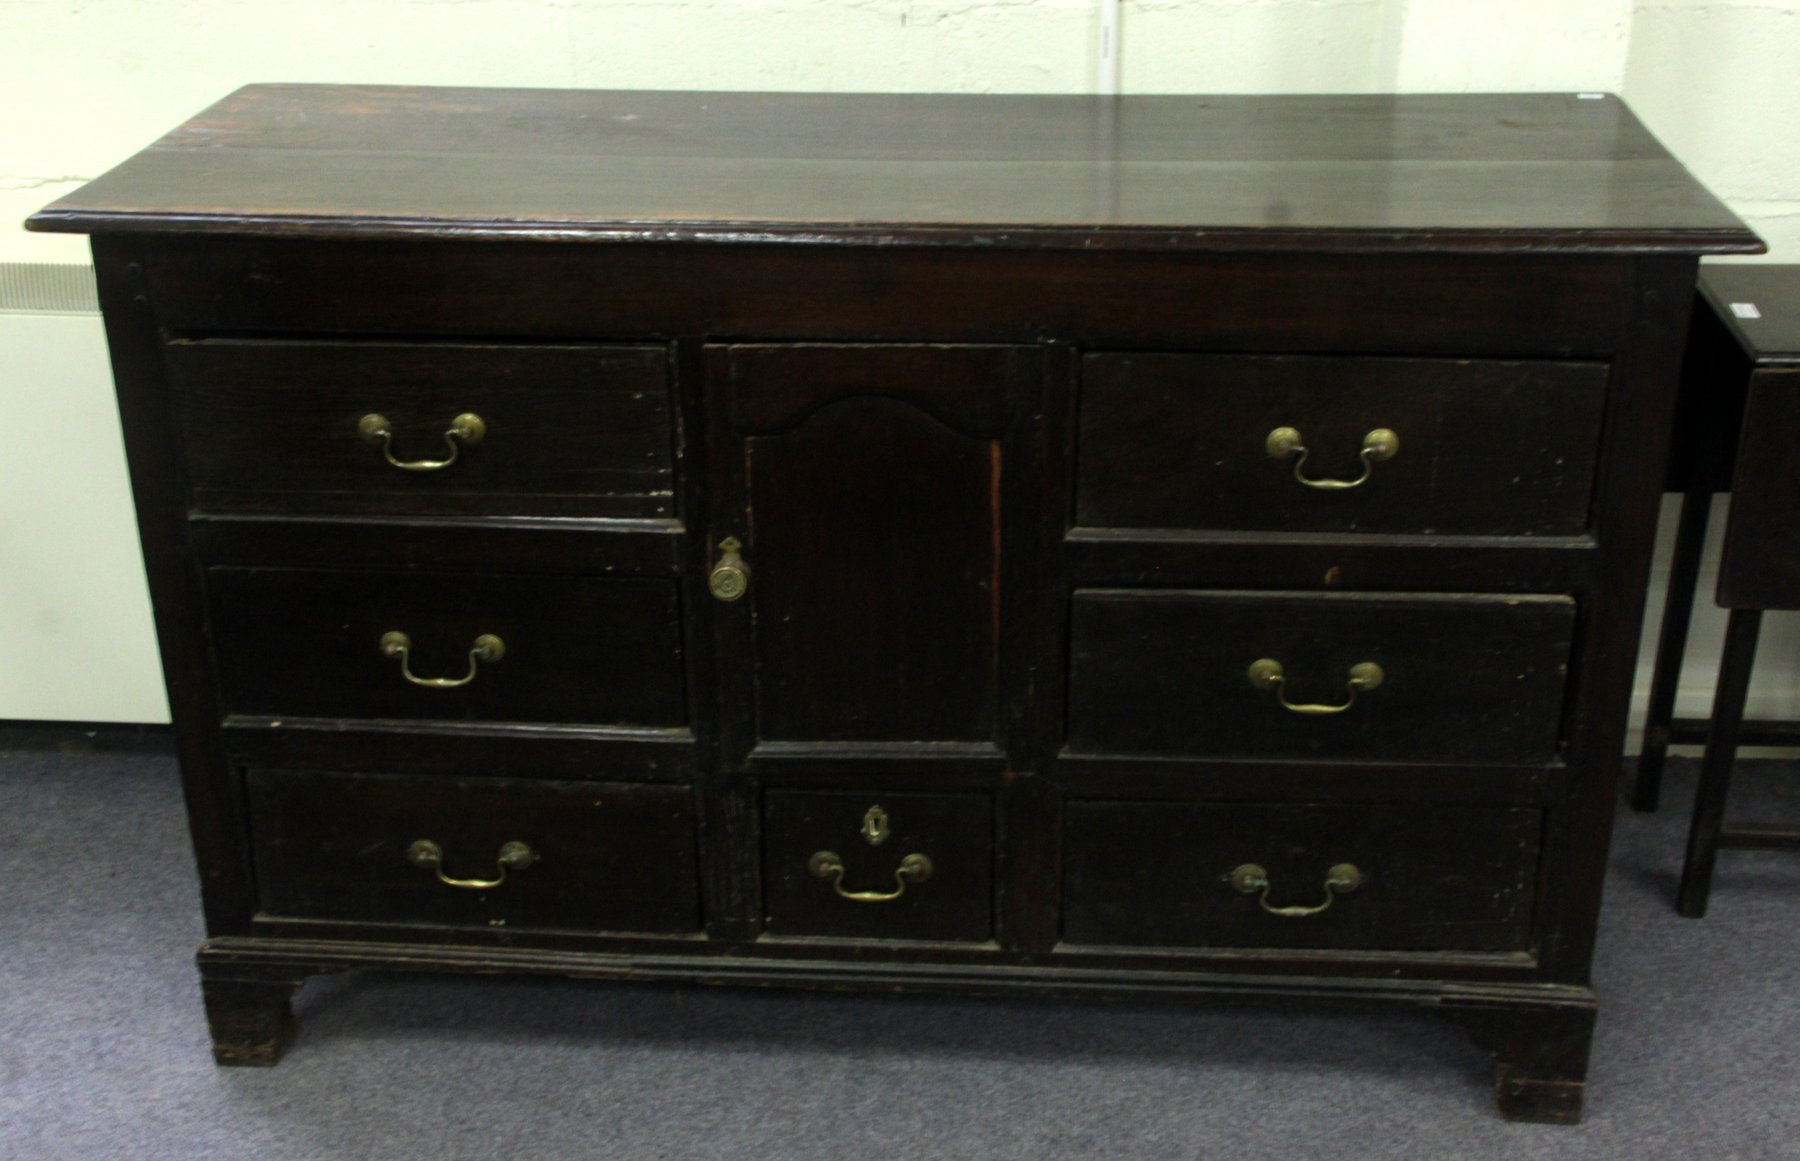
<point x="1671" y="644"/>
<point x="1715" y="769"/>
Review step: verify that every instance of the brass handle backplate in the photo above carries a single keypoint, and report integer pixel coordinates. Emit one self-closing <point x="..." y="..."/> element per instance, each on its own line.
<point x="487" y="647"/>
<point x="430" y="856"/>
<point x="466" y="430"/>
<point x="1380" y="444"/>
<point x="1252" y="879"/>
<point x="1266" y="674"/>
<point x="730" y="578"/>
<point x="827" y="865"/>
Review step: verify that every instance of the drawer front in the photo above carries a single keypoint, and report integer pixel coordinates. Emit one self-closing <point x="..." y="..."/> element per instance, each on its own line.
<point x="1252" y="300"/>
<point x="285" y="426"/>
<point x="1478" y="446"/>
<point x="1461" y="678"/>
<point x="1161" y="874"/>
<point x="862" y="866"/>
<point x="296" y="642"/>
<point x="597" y="856"/>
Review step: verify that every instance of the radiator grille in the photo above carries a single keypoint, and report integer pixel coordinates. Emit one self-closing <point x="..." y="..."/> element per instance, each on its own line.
<point x="47" y="288"/>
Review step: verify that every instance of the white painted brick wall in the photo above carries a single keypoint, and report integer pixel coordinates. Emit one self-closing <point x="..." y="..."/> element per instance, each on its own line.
<point x="1719" y="81"/>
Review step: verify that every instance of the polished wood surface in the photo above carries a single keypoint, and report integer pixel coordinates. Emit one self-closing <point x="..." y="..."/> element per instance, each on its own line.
<point x="585" y="425"/>
<point x="1518" y="173"/>
<point x="1006" y="567"/>
<point x="954" y="831"/>
<point x="306" y="642"/>
<point x="335" y="847"/>
<point x="1501" y="662"/>
<point x="872" y="491"/>
<point x="1760" y="564"/>
<point x="1487" y="447"/>
<point x="1158" y="874"/>
<point x="1771" y="333"/>
<point x="1459" y="305"/>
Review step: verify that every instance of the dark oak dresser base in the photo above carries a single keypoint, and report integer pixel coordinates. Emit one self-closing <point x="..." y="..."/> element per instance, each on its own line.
<point x="1156" y="548"/>
<point x="1538" y="1034"/>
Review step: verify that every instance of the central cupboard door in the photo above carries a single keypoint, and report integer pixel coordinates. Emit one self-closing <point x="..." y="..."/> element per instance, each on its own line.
<point x="861" y="538"/>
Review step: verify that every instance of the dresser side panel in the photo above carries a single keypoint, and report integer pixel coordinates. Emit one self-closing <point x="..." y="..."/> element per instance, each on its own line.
<point x="1633" y="456"/>
<point x="160" y="487"/>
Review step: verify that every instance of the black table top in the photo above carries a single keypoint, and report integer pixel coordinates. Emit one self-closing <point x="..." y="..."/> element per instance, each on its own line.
<point x="1759" y="305"/>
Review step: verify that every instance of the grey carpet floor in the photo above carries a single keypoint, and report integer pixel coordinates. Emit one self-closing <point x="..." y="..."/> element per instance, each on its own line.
<point x="104" y="1052"/>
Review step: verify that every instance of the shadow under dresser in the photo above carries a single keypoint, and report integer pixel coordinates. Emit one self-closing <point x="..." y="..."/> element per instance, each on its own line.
<point x="1145" y="547"/>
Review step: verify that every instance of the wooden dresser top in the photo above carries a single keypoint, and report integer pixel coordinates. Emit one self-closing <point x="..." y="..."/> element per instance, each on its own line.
<point x="1533" y="172"/>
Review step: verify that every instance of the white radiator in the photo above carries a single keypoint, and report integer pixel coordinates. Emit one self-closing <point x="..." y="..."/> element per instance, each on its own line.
<point x="76" y="642"/>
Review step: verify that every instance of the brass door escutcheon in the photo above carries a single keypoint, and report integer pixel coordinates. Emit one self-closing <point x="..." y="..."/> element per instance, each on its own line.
<point x="487" y="647"/>
<point x="827" y="865"/>
<point x="730" y="578"/>
<point x="430" y="856"/>
<point x="466" y="430"/>
<point x="1267" y="674"/>
<point x="1380" y="444"/>
<point x="875" y="826"/>
<point x="1250" y="878"/>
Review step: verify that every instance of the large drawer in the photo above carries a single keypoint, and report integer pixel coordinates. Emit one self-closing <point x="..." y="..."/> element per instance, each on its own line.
<point x="297" y="427"/>
<point x="594" y="856"/>
<point x="1183" y="874"/>
<point x="1462" y="678"/>
<point x="1479" y="446"/>
<point x="879" y="866"/>
<point x="298" y="642"/>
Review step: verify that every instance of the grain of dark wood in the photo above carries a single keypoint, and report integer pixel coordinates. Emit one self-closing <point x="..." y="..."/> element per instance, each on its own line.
<point x="877" y="587"/>
<point x="858" y="325"/>
<point x="465" y="748"/>
<point x="252" y="1021"/>
<point x="1540" y="1055"/>
<point x="1529" y="305"/>
<point x="609" y="857"/>
<point x="577" y="650"/>
<point x="159" y="487"/>
<point x="1715" y="374"/>
<point x="1493" y="448"/>
<point x="875" y="524"/>
<point x="1760" y="565"/>
<point x="1770" y="332"/>
<point x="1314" y="780"/>
<point x="1067" y="171"/>
<point x="570" y="431"/>
<point x="1626" y="505"/>
<point x="1180" y="558"/>
<point x="1671" y="646"/>
<point x="1157" y="873"/>
<point x="1709" y="411"/>
<point x="1736" y="661"/>
<point x="489" y="544"/>
<point x="1466" y="678"/>
<point x="954" y="831"/>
